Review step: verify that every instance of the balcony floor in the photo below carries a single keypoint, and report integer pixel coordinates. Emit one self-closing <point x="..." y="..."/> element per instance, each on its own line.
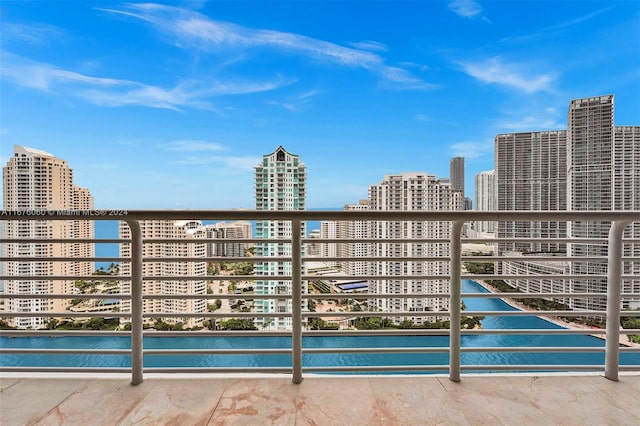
<point x="75" y="399"/>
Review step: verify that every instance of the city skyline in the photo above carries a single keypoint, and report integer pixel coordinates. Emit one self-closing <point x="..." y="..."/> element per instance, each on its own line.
<point x="172" y="105"/>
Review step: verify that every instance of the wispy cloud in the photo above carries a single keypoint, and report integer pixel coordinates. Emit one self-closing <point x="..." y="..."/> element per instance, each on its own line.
<point x="467" y="9"/>
<point x="512" y="75"/>
<point x="422" y="118"/>
<point x="371" y="45"/>
<point x="193" y="30"/>
<point x="541" y="119"/>
<point x="235" y="164"/>
<point x="192" y="146"/>
<point x="554" y="28"/>
<point x="36" y="34"/>
<point x="472" y="149"/>
<point x="113" y="92"/>
<point x="402" y="78"/>
<point x="296" y="102"/>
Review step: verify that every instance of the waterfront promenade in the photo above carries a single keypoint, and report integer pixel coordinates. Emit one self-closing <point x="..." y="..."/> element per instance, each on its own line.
<point x="598" y="332"/>
<point x="73" y="399"/>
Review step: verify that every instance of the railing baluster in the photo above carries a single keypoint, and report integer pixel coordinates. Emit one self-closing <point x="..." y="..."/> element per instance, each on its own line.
<point x="614" y="287"/>
<point x="455" y="304"/>
<point x="136" y="302"/>
<point x="615" y="277"/>
<point x="296" y="301"/>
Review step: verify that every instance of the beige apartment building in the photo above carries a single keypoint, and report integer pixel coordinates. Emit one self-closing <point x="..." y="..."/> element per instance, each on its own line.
<point x="35" y="180"/>
<point x="411" y="192"/>
<point x="175" y="230"/>
<point x="355" y="230"/>
<point x="229" y="231"/>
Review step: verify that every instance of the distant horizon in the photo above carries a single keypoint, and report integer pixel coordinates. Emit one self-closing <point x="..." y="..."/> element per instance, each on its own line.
<point x="171" y="105"/>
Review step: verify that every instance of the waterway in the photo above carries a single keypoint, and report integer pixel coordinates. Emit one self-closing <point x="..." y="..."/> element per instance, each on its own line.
<point x="474" y="358"/>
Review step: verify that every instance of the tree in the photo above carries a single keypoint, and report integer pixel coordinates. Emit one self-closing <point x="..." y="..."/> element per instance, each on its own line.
<point x="94" y="324"/>
<point x="161" y="325"/>
<point x="407" y="323"/>
<point x="238" y="324"/>
<point x="5" y="325"/>
<point x="317" y="323"/>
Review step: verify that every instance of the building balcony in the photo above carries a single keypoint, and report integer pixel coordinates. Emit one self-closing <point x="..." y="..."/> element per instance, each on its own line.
<point x="532" y="370"/>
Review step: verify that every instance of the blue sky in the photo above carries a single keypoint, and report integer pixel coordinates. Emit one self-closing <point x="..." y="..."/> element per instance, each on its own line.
<point x="172" y="104"/>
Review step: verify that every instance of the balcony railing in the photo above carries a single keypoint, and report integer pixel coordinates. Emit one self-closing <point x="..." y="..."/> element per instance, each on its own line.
<point x="299" y="316"/>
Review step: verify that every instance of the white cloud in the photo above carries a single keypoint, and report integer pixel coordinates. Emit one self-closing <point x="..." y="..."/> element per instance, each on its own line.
<point x="371" y="45"/>
<point x="193" y="30"/>
<point x="548" y="31"/>
<point x="403" y="79"/>
<point x="36" y="34"/>
<point x="496" y="71"/>
<point x="530" y="122"/>
<point x="192" y="146"/>
<point x="422" y="117"/>
<point x="118" y="92"/>
<point x="467" y="9"/>
<point x="472" y="149"/>
<point x="296" y="102"/>
<point x="233" y="164"/>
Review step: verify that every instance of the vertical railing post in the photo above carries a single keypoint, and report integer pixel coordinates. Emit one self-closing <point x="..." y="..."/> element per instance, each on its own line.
<point x="455" y="305"/>
<point x="614" y="288"/>
<point x="136" y="302"/>
<point x="296" y="301"/>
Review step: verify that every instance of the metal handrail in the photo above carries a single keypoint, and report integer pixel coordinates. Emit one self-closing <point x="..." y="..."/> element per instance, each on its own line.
<point x="615" y="243"/>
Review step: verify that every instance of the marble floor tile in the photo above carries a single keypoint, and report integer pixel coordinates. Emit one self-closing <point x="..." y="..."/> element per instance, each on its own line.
<point x="29" y="400"/>
<point x="338" y="401"/>
<point x="321" y="400"/>
<point x="184" y="402"/>
<point x="256" y="402"/>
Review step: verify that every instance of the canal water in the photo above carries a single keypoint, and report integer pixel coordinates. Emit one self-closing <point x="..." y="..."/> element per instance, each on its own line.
<point x="329" y="360"/>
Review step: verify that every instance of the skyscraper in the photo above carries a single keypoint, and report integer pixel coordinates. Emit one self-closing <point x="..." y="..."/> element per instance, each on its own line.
<point x="591" y="166"/>
<point x="603" y="174"/>
<point x="456" y="173"/>
<point x="170" y="229"/>
<point x="355" y="230"/>
<point x="330" y="229"/>
<point x="486" y="198"/>
<point x="37" y="180"/>
<point x="531" y="169"/>
<point x="402" y="192"/>
<point x="280" y="184"/>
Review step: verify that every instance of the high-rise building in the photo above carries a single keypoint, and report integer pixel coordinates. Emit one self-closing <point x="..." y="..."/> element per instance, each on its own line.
<point x="313" y="248"/>
<point x="355" y="230"/>
<point x="591" y="166"/>
<point x="411" y="192"/>
<point x="626" y="196"/>
<point x="280" y="184"/>
<point x="531" y="174"/>
<point x="170" y="229"/>
<point x="329" y="229"/>
<point x="228" y="231"/>
<point x="456" y="173"/>
<point x="486" y="199"/>
<point x="37" y="180"/>
<point x="603" y="174"/>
